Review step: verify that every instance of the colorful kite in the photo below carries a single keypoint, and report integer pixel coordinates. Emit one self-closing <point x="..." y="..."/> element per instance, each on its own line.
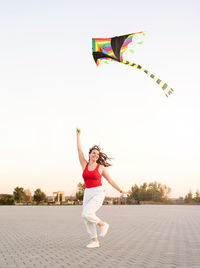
<point x="113" y="49"/>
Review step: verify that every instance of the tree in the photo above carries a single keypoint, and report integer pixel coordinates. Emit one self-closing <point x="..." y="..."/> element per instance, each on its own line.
<point x="6" y="199"/>
<point x="39" y="196"/>
<point x="134" y="194"/>
<point x="18" y="194"/>
<point x="189" y="197"/>
<point x="197" y="196"/>
<point x="158" y="192"/>
<point x="143" y="192"/>
<point x="80" y="190"/>
<point x="27" y="196"/>
<point x="154" y="191"/>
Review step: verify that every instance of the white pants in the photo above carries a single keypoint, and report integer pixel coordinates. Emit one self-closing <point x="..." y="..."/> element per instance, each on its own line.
<point x="92" y="201"/>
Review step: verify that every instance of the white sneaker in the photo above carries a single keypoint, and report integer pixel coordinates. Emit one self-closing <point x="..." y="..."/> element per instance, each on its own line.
<point x="93" y="244"/>
<point x="104" y="229"/>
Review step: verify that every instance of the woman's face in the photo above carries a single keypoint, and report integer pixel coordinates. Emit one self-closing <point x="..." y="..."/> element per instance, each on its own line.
<point x="94" y="155"/>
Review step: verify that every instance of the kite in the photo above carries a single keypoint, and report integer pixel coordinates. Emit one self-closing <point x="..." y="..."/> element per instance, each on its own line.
<point x="113" y="49"/>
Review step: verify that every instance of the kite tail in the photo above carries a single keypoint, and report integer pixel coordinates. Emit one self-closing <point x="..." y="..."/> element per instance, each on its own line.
<point x="166" y="89"/>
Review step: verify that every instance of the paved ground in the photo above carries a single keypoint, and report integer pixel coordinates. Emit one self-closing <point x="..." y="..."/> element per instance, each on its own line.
<point x="139" y="236"/>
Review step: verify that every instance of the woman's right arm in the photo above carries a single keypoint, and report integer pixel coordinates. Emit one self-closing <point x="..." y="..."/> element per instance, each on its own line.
<point x="82" y="160"/>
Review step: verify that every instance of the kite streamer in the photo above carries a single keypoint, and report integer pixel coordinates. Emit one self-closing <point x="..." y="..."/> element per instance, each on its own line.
<point x="113" y="49"/>
<point x="166" y="89"/>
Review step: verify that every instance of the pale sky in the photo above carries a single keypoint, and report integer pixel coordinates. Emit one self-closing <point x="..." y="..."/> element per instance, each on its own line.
<point x="49" y="85"/>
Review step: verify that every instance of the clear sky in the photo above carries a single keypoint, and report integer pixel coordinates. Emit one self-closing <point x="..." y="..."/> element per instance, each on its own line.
<point x="49" y="85"/>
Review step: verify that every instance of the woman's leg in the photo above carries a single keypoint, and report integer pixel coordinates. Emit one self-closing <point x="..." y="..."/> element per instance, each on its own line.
<point x="91" y="229"/>
<point x="88" y="214"/>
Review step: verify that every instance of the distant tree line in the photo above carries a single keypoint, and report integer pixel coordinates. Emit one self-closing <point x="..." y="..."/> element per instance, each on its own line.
<point x="147" y="192"/>
<point x="23" y="196"/>
<point x="153" y="191"/>
<point x="6" y="199"/>
<point x="192" y="199"/>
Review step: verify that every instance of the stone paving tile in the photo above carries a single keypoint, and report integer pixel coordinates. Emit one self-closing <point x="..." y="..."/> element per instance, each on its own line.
<point x="139" y="236"/>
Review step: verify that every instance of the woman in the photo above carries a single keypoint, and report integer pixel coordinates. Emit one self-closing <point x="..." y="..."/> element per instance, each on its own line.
<point x="94" y="193"/>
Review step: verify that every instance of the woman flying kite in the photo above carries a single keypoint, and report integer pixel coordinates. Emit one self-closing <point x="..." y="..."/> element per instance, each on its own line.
<point x="94" y="194"/>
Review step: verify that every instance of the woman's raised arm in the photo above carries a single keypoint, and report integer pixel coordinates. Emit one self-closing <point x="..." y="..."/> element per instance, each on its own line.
<point x="82" y="160"/>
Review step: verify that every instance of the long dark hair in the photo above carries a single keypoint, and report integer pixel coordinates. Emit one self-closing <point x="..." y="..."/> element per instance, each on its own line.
<point x="103" y="158"/>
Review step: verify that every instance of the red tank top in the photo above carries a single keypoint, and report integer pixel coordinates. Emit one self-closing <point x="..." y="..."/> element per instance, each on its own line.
<point x="92" y="178"/>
